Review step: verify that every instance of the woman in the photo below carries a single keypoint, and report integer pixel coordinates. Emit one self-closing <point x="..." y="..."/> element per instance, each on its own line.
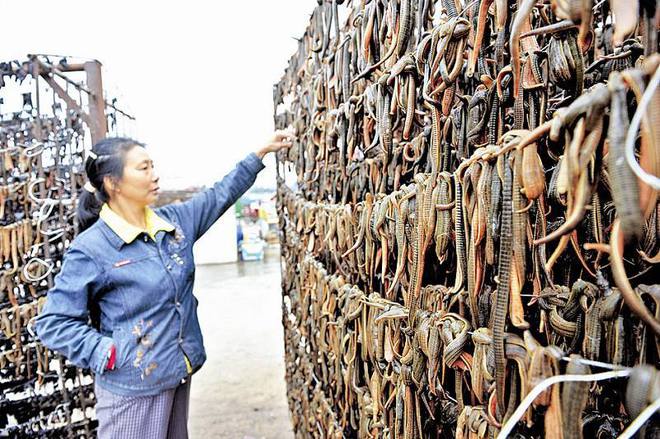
<point x="131" y="272"/>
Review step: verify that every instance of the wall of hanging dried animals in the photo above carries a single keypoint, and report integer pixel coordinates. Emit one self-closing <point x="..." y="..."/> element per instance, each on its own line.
<point x="48" y="117"/>
<point x="471" y="208"/>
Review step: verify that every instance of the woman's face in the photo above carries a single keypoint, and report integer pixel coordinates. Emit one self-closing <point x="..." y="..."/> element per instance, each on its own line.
<point x="139" y="185"/>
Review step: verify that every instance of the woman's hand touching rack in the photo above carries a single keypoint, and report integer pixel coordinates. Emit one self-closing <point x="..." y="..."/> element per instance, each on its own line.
<point x="281" y="139"/>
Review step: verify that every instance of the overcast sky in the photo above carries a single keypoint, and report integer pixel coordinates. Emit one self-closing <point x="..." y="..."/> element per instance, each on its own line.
<point x="197" y="75"/>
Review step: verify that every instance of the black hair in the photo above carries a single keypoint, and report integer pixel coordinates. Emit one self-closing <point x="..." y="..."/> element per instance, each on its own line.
<point x="107" y="158"/>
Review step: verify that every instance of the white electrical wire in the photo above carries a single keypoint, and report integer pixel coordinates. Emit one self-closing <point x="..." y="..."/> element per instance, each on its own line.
<point x="608" y="366"/>
<point x="28" y="276"/>
<point x="640" y="420"/>
<point x="540" y="387"/>
<point x="647" y="178"/>
<point x="33" y="150"/>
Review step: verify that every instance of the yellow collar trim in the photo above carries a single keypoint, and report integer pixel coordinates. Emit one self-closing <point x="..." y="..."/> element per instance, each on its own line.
<point x="128" y="232"/>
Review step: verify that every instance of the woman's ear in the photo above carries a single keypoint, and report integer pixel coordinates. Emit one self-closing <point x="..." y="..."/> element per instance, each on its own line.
<point x="110" y="184"/>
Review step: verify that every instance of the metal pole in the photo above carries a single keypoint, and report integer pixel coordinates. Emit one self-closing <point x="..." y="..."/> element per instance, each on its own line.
<point x="99" y="126"/>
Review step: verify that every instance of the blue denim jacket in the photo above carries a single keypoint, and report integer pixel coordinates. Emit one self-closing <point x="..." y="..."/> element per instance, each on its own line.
<point x="140" y="294"/>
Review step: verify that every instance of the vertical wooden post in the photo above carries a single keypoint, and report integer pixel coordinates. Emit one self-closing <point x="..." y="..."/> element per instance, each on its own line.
<point x="98" y="126"/>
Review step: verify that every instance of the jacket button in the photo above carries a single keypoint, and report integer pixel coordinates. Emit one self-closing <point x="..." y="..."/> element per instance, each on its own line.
<point x="180" y="340"/>
<point x="177" y="304"/>
<point x="146" y="238"/>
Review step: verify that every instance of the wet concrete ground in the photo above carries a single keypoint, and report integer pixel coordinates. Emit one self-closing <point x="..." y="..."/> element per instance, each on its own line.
<point x="240" y="392"/>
